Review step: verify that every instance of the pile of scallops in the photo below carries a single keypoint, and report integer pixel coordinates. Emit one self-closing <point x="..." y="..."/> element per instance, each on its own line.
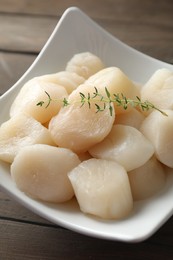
<point x="107" y="161"/>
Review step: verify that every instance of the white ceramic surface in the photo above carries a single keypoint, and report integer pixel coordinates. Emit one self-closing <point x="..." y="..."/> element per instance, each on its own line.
<point x="75" y="33"/>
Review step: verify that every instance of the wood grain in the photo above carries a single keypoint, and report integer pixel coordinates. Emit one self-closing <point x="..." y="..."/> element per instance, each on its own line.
<point x="12" y="67"/>
<point x="123" y="9"/>
<point x="12" y="210"/>
<point x="24" y="33"/>
<point x="124" y="20"/>
<point x="42" y="242"/>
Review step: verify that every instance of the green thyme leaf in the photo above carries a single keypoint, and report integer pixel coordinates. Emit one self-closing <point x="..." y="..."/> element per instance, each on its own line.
<point x="118" y="99"/>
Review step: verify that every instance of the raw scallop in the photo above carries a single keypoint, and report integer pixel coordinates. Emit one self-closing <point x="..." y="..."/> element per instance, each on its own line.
<point x="125" y="145"/>
<point x="32" y="93"/>
<point x="158" y="90"/>
<point x="41" y="171"/>
<point x="158" y="129"/>
<point x="133" y="118"/>
<point x="102" y="188"/>
<point x="69" y="80"/>
<point x="84" y="64"/>
<point x="117" y="83"/>
<point x="20" y="131"/>
<point x="147" y="180"/>
<point x="79" y="127"/>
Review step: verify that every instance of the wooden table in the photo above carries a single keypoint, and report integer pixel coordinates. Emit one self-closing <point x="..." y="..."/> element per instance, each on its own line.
<point x="24" y="28"/>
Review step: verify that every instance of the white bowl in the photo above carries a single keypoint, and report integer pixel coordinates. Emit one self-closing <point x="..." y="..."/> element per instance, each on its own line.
<point x="76" y="33"/>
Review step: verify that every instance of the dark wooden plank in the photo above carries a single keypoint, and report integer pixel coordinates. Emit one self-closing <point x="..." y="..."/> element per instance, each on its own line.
<point x="12" y="67"/>
<point x="20" y="241"/>
<point x="127" y="22"/>
<point x="10" y="73"/>
<point x="142" y="33"/>
<point x="136" y="9"/>
<point x="24" y="34"/>
<point x="10" y="209"/>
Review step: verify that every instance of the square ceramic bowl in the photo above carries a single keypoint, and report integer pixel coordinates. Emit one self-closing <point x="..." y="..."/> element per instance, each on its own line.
<point x="74" y="33"/>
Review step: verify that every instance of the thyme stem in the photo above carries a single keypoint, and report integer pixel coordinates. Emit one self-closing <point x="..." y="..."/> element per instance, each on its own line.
<point x="118" y="99"/>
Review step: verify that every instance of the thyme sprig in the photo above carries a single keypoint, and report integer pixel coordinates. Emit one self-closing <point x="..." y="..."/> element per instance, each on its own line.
<point x="47" y="102"/>
<point x="41" y="103"/>
<point x="107" y="100"/>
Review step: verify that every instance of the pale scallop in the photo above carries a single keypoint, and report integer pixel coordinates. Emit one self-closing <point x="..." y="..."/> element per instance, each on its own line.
<point x="79" y="127"/>
<point x="69" y="80"/>
<point x="117" y="83"/>
<point x="41" y="171"/>
<point x="84" y="64"/>
<point x="32" y="93"/>
<point x="158" y="89"/>
<point x="125" y="145"/>
<point x="102" y="189"/>
<point x="158" y="129"/>
<point x="147" y="180"/>
<point x="18" y="132"/>
<point x="133" y="118"/>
